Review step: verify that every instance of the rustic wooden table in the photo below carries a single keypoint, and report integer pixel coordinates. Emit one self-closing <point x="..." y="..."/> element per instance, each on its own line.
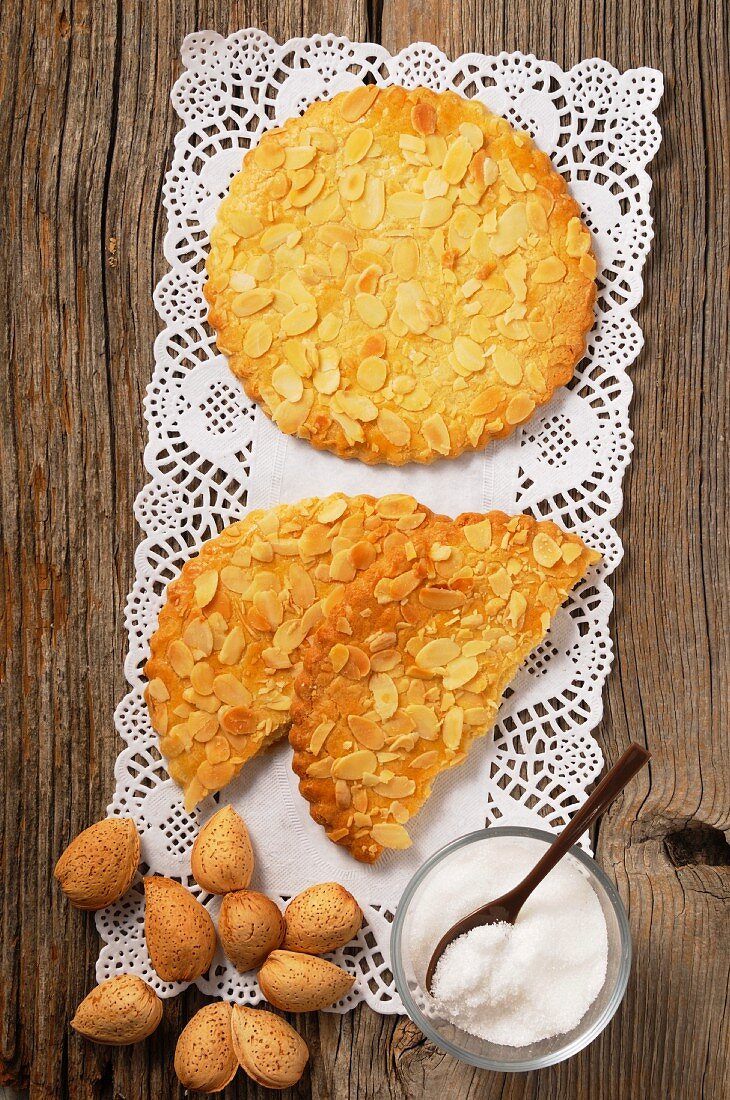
<point x="86" y="135"/>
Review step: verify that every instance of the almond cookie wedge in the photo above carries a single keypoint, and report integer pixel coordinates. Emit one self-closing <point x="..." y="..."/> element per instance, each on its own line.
<point x="397" y="686"/>
<point x="399" y="275"/>
<point x="227" y="645"/>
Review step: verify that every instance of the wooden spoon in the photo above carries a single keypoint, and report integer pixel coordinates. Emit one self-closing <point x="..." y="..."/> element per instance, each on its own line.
<point x="506" y="908"/>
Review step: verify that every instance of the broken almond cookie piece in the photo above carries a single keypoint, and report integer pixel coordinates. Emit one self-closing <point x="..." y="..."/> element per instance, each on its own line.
<point x="399" y="275"/>
<point x="438" y="639"/>
<point x="227" y="646"/>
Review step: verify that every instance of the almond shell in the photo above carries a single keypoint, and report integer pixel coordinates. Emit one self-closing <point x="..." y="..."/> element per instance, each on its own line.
<point x="268" y="1049"/>
<point x="179" y="932"/>
<point x="120" y="1011"/>
<point x="99" y="865"/>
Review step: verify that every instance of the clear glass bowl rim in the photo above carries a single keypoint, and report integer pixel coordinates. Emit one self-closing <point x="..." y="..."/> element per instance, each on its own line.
<point x="582" y="1040"/>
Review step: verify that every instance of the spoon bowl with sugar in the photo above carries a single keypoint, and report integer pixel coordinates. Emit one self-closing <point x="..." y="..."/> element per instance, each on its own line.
<point x="505" y="909"/>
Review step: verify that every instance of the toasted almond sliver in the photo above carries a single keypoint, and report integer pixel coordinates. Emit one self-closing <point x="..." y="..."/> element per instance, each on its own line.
<point x="507" y="366"/>
<point x="351" y="183"/>
<point x="269" y="154"/>
<point x="452" y="726"/>
<point x="205" y="587"/>
<point x="230" y="690"/>
<point x="258" y="339"/>
<point x="469" y="353"/>
<point x="436" y="434"/>
<point x="457" y="160"/>
<point x="232" y="649"/>
<point x="275" y="658"/>
<point x="358" y="144"/>
<point x="549" y="270"/>
<point x="516" y="610"/>
<point x="243" y="224"/>
<point x="501" y="583"/>
<point x="520" y="407"/>
<point x="479" y="535"/>
<point x="545" y="550"/>
<point x="251" y="301"/>
<point x="234" y="578"/>
<point x="368" y="211"/>
<point x="339" y="655"/>
<point x="435" y="212"/>
<point x="357" y="102"/>
<point x="571" y="551"/>
<point x="289" y="636"/>
<point x="427" y="724"/>
<point x="157" y="690"/>
<point x="354" y="765"/>
<point x="368" y="733"/>
<point x="424" y="760"/>
<point x="437" y="653"/>
<point x="300" y="319"/>
<point x="400" y="786"/>
<point x="390" y="835"/>
<point x="405" y="583"/>
<point x="202" y="678"/>
<point x="473" y="134"/>
<point x="320" y="769"/>
<point x="385" y="694"/>
<point x="405" y="205"/>
<point x="287" y="382"/>
<point x="372" y="373"/>
<point x="396" y="505"/>
<point x="268" y="604"/>
<point x="181" y="659"/>
<point x="305" y="195"/>
<point x="358" y="407"/>
<point x="319" y="736"/>
<point x="460" y="672"/>
<point x="405" y="258"/>
<point x="440" y="599"/>
<point x="199" y="636"/>
<point x="290" y="415"/>
<point x="298" y="156"/>
<point x="394" y="428"/>
<point x="423" y="119"/>
<point x="371" y="310"/>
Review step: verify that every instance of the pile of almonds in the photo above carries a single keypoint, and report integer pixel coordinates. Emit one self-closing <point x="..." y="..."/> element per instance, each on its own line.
<point x="98" y="868"/>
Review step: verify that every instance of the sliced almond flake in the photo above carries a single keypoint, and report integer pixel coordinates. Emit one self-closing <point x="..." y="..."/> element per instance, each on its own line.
<point x="287" y="382"/>
<point x="358" y="102"/>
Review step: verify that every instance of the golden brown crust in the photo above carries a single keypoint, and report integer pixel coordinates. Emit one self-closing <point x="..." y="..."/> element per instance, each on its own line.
<point x="226" y="649"/>
<point x="432" y="643"/>
<point x="398" y="275"/>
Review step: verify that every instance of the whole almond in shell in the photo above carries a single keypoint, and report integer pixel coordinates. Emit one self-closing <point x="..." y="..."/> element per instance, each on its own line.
<point x="121" y="1010"/>
<point x="222" y="856"/>
<point x="250" y="926"/>
<point x="180" y="934"/>
<point x="296" y="982"/>
<point x="205" y="1060"/>
<point x="269" y="1050"/>
<point x="321" y="918"/>
<point x="99" y="865"/>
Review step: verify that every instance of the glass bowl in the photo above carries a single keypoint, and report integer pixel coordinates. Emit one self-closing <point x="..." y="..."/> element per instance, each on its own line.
<point x="479" y="1052"/>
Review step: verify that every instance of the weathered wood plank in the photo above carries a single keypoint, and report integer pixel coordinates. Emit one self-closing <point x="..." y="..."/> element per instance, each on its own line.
<point x="86" y="133"/>
<point x="669" y="684"/>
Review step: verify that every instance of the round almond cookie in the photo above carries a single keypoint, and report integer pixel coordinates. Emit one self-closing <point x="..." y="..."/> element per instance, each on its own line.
<point x="398" y="275"/>
<point x="446" y="632"/>
<point x="227" y="645"/>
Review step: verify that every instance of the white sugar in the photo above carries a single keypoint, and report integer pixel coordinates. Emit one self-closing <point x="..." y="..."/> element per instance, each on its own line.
<point x="512" y="985"/>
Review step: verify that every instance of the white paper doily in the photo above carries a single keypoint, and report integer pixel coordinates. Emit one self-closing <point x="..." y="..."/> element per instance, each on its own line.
<point x="211" y="455"/>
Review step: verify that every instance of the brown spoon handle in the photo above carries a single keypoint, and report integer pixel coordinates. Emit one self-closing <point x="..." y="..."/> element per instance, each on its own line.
<point x="600" y="799"/>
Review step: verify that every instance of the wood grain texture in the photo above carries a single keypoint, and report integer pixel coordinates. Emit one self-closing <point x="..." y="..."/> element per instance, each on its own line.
<point x="86" y="135"/>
